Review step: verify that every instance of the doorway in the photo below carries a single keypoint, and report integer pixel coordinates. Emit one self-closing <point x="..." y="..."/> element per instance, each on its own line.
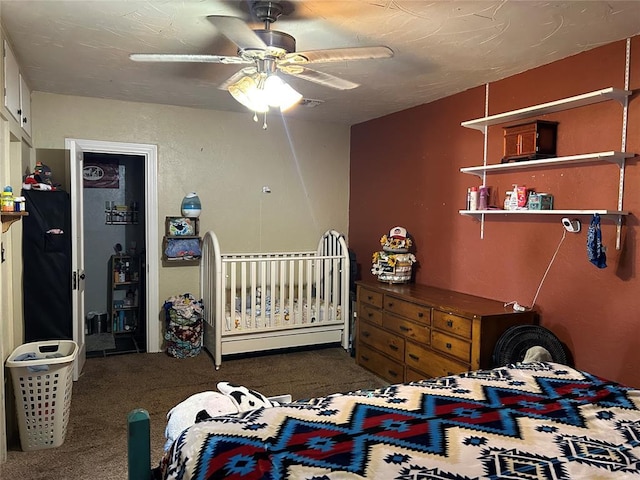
<point x="115" y="259"/>
<point x="140" y="154"/>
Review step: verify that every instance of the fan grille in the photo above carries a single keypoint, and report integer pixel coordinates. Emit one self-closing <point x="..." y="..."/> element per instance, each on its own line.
<point x="513" y="344"/>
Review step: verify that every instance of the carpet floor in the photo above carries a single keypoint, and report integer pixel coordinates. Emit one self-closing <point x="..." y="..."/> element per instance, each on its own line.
<point x="110" y="387"/>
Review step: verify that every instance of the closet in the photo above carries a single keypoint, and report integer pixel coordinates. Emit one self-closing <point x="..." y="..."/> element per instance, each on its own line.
<point x="113" y="197"/>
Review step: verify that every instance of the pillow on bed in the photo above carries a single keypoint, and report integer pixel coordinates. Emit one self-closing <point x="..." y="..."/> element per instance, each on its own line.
<point x="243" y="397"/>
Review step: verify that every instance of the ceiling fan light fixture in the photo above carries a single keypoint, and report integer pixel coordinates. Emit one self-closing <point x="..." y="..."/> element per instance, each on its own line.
<point x="248" y="92"/>
<point x="280" y="94"/>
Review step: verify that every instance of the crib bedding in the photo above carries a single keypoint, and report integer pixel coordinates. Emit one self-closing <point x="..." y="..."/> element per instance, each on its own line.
<point x="523" y="421"/>
<point x="276" y="316"/>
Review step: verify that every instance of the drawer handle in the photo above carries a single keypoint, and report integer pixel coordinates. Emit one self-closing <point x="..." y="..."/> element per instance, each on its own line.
<point x="369" y="297"/>
<point x="393" y="347"/>
<point x="390" y="304"/>
<point x="366" y="334"/>
<point x="369" y="314"/>
<point x="392" y="373"/>
<point x="448" y="345"/>
<point x="405" y="329"/>
<point x="420" y="314"/>
<point x="414" y="357"/>
<point x="364" y="357"/>
<point x="449" y="323"/>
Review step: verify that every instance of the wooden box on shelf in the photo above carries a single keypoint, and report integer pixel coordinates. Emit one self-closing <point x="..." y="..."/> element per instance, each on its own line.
<point x="530" y="141"/>
<point x="181" y="244"/>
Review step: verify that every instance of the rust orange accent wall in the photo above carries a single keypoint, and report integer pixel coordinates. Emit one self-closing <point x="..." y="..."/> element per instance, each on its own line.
<point x="405" y="170"/>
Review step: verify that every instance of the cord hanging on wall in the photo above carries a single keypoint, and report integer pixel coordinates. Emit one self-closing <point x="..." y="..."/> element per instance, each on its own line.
<point x="520" y="308"/>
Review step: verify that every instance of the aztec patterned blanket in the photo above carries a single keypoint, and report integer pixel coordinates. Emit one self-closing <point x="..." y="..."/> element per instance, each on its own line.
<point x="523" y="421"/>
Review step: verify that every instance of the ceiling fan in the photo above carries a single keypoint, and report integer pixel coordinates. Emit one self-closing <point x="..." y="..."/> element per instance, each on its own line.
<point x="265" y="53"/>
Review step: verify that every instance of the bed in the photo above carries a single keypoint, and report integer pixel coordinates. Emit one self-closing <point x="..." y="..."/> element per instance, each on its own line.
<point x="536" y="420"/>
<point x="263" y="301"/>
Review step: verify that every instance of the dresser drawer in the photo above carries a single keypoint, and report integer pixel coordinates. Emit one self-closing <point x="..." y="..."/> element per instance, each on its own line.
<point x="370" y="296"/>
<point x="411" y="375"/>
<point x="438" y="366"/>
<point x="451" y="345"/>
<point x="450" y="323"/>
<point x="381" y="340"/>
<point x="416" y="356"/>
<point x="414" y="331"/>
<point x="412" y="311"/>
<point x="369" y="313"/>
<point x="379" y="364"/>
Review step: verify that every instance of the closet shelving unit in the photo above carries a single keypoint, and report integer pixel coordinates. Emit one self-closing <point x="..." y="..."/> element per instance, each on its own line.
<point x="615" y="157"/>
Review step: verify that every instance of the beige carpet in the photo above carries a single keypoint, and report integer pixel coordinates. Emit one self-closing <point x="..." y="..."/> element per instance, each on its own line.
<point x="110" y="387"/>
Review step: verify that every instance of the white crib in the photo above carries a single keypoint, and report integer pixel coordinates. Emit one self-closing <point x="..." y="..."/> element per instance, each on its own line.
<point x="263" y="301"/>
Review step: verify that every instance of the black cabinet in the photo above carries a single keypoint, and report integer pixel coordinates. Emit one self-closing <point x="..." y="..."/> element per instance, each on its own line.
<point x="46" y="262"/>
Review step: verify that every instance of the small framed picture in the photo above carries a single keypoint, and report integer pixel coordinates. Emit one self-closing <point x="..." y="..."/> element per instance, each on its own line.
<point x="181" y="227"/>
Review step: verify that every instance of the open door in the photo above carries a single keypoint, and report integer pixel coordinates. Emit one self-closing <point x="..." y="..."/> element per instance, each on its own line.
<point x="76" y="156"/>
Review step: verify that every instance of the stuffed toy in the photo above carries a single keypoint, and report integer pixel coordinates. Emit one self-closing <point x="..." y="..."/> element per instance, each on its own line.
<point x="243" y="398"/>
<point x="197" y="408"/>
<point x="206" y="405"/>
<point x="537" y="354"/>
<point x="40" y="179"/>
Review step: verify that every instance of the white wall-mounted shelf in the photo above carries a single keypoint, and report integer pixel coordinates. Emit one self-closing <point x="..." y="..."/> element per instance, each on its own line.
<point x="613" y="157"/>
<point x="604" y="213"/>
<point x="556" y="106"/>
<point x="617" y="157"/>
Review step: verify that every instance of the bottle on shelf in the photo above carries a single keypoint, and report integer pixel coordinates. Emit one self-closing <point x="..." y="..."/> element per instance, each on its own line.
<point x="7" y="199"/>
<point x="130" y="299"/>
<point x="483" y="202"/>
<point x="116" y="271"/>
<point x="473" y="198"/>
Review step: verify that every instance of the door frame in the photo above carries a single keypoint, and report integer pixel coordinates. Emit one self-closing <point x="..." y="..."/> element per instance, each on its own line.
<point x="150" y="154"/>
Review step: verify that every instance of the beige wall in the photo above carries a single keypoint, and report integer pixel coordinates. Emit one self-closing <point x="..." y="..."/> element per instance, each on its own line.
<point x="226" y="158"/>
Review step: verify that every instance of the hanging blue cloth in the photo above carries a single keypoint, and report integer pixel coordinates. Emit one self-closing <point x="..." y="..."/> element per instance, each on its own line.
<point x="595" y="250"/>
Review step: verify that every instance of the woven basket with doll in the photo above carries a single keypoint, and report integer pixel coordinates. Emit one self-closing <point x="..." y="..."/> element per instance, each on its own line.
<point x="394" y="263"/>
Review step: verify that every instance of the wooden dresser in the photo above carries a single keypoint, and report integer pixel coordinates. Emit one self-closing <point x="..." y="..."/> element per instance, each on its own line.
<point x="409" y="332"/>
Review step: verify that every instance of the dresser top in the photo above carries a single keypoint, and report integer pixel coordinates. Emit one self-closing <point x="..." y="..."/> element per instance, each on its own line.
<point x="442" y="299"/>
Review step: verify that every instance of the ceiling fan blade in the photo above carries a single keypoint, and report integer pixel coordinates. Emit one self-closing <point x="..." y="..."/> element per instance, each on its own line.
<point x="237" y="76"/>
<point x="238" y="32"/>
<point x="174" y="57"/>
<point x="320" y="78"/>
<point x="337" y="55"/>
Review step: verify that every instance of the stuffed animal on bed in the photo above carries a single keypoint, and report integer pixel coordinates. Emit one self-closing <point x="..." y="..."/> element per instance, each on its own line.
<point x="196" y="408"/>
<point x="244" y="398"/>
<point x="205" y="405"/>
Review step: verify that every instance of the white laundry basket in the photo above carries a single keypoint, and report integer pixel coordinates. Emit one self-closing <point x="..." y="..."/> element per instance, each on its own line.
<point x="42" y="374"/>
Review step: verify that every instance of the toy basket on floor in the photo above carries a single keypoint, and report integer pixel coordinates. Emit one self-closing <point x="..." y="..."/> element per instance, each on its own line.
<point x="42" y="374"/>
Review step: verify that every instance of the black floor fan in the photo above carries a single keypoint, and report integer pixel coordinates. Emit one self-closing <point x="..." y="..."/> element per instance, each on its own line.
<point x="513" y="344"/>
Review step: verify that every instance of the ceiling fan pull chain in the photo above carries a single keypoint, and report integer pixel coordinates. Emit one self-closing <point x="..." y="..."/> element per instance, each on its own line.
<point x="264" y="125"/>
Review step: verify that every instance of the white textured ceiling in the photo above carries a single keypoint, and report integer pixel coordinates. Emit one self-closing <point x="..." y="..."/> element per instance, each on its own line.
<point x="441" y="47"/>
